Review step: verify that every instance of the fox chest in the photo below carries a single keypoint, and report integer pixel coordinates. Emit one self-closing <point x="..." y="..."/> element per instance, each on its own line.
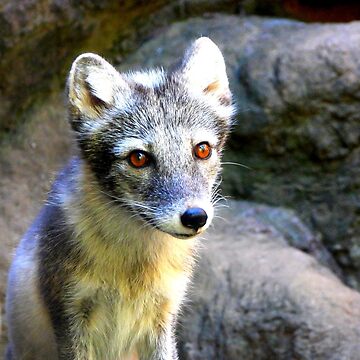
<point x="116" y="326"/>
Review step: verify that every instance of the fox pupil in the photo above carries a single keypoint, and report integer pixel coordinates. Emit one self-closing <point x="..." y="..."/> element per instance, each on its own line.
<point x="138" y="158"/>
<point x="203" y="151"/>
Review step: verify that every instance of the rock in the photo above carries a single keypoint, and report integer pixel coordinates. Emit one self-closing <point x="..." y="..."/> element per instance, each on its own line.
<point x="39" y="39"/>
<point x="293" y="230"/>
<point x="28" y="165"/>
<point x="256" y="297"/>
<point x="298" y="91"/>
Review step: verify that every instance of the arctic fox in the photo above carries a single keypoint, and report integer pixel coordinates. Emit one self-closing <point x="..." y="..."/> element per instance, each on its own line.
<point x="103" y="270"/>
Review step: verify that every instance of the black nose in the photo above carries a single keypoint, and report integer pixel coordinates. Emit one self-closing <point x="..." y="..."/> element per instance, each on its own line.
<point x="194" y="218"/>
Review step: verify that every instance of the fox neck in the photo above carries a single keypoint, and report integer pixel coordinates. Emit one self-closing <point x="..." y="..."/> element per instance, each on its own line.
<point x="123" y="251"/>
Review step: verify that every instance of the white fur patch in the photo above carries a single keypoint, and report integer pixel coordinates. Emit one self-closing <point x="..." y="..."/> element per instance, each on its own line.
<point x="150" y="79"/>
<point x="204" y="70"/>
<point x="123" y="147"/>
<point x="102" y="85"/>
<point x="204" y="135"/>
<point x="204" y="65"/>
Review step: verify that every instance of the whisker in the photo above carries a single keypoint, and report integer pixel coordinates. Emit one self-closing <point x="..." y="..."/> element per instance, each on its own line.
<point x="220" y="205"/>
<point x="236" y="164"/>
<point x="226" y="221"/>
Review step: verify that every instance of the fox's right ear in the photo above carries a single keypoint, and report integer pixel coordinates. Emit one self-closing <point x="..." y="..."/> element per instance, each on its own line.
<point x="93" y="86"/>
<point x="203" y="68"/>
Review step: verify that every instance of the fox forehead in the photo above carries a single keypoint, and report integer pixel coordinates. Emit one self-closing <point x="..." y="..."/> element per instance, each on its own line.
<point x="157" y="117"/>
<point x="167" y="101"/>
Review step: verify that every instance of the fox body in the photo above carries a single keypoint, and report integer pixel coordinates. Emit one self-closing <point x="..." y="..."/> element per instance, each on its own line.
<point x="103" y="270"/>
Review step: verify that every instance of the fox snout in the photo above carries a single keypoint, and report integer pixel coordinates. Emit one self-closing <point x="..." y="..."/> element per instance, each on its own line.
<point x="187" y="219"/>
<point x="194" y="218"/>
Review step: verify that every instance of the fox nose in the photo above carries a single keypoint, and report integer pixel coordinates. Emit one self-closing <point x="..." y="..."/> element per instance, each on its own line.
<point x="194" y="218"/>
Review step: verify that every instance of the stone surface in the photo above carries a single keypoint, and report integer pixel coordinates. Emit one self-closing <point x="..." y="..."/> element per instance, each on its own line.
<point x="28" y="165"/>
<point x="39" y="39"/>
<point x="297" y="88"/>
<point x="255" y="297"/>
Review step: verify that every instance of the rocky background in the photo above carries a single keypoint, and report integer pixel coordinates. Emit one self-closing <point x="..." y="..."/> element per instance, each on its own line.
<point x="275" y="281"/>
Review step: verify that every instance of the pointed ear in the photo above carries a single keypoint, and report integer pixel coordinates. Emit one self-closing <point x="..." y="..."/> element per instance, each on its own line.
<point x="203" y="68"/>
<point x="94" y="85"/>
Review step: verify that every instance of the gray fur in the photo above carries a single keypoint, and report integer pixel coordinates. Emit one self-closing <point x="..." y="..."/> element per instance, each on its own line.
<point x="106" y="218"/>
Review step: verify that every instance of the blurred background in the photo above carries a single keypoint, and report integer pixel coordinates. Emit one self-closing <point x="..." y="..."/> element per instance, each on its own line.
<point x="294" y="68"/>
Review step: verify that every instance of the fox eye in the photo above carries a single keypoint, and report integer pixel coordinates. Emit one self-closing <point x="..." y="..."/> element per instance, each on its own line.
<point x="202" y="151"/>
<point x="138" y="159"/>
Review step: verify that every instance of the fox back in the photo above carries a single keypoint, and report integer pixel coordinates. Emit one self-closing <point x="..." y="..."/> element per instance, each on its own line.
<point x="102" y="272"/>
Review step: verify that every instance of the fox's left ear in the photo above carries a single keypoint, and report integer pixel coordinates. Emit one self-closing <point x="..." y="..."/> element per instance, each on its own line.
<point x="94" y="85"/>
<point x="203" y="68"/>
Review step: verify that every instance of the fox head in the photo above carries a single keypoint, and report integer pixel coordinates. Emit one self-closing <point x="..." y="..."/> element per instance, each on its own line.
<point x="154" y="139"/>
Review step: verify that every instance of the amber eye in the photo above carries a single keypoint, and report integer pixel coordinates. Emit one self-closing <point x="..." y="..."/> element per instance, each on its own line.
<point x="202" y="151"/>
<point x="138" y="158"/>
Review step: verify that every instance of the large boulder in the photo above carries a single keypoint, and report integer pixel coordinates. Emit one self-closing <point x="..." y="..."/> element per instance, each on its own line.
<point x="39" y="39"/>
<point x="254" y="297"/>
<point x="297" y="87"/>
<point x="28" y="165"/>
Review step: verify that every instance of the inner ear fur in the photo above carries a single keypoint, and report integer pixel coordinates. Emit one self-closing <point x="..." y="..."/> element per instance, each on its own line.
<point x="203" y="67"/>
<point x="93" y="85"/>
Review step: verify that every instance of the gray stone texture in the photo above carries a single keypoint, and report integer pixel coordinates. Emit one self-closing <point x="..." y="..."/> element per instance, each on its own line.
<point x="39" y="39"/>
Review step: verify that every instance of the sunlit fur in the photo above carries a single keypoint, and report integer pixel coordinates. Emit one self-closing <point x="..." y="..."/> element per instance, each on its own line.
<point x="103" y="271"/>
<point x="139" y="268"/>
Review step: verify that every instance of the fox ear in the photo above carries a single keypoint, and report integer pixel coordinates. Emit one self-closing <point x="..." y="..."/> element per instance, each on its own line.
<point x="94" y="85"/>
<point x="203" y="68"/>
